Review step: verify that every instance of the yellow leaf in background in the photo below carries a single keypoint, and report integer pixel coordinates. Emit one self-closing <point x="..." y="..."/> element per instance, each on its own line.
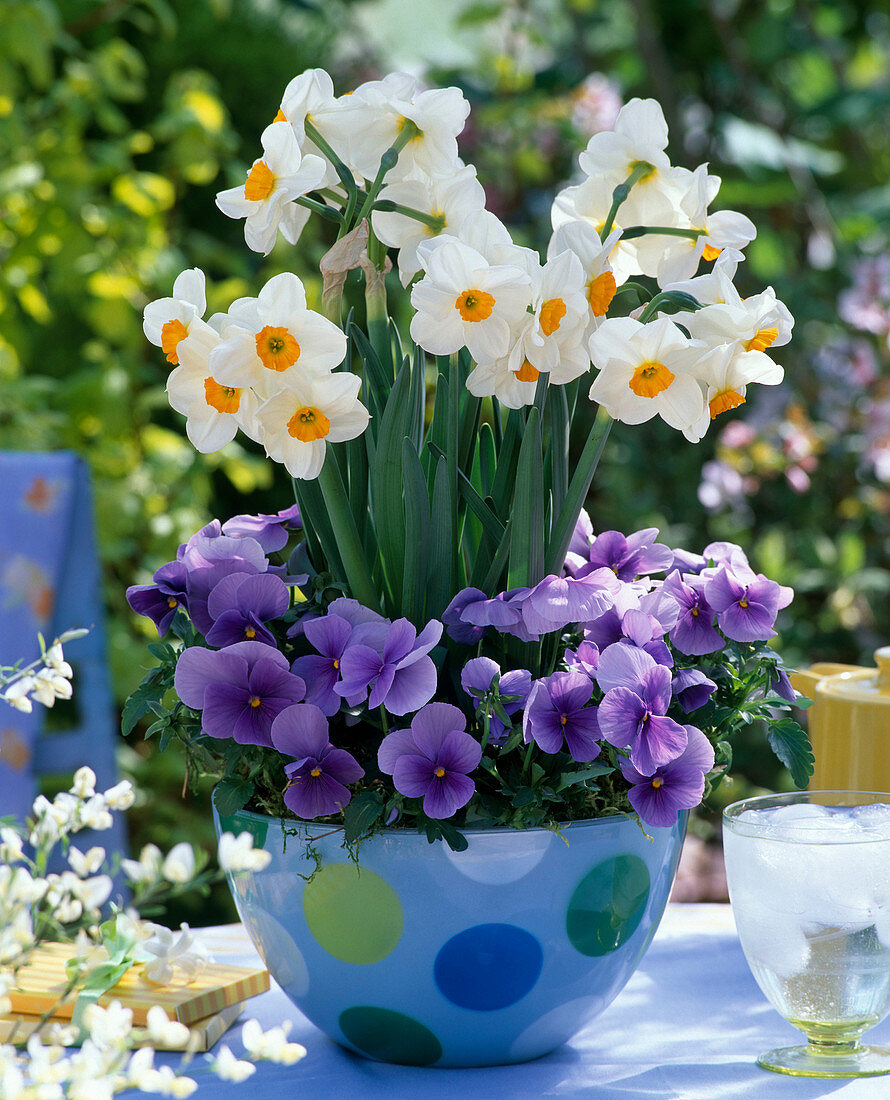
<point x="34" y="303"/>
<point x="106" y="284"/>
<point x="206" y="108"/>
<point x="145" y="193"/>
<point x="10" y="367"/>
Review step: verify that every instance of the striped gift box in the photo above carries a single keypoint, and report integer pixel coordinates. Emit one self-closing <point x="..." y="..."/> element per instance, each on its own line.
<point x="41" y="983"/>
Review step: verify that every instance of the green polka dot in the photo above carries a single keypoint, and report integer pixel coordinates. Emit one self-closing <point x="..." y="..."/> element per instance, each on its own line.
<point x="390" y="1036"/>
<point x="353" y="914"/>
<point x="607" y="905"/>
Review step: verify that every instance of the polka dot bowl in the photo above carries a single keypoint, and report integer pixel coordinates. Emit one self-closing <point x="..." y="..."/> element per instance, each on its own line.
<point x="423" y="956"/>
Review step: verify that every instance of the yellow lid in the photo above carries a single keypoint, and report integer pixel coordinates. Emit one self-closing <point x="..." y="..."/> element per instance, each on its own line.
<point x="869" y="685"/>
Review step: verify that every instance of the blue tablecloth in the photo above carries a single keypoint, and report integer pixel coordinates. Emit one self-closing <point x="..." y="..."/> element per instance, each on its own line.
<point x="688" y="1026"/>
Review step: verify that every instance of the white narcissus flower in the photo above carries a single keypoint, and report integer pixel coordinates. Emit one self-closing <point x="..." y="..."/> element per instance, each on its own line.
<point x="298" y="423"/>
<point x="452" y="199"/>
<point x="589" y="202"/>
<point x="311" y="95"/>
<point x="272" y="1044"/>
<point x="646" y="370"/>
<point x="508" y="379"/>
<point x="726" y="371"/>
<point x="599" y="279"/>
<point x="179" y="863"/>
<point x="716" y="287"/>
<point x="214" y="410"/>
<point x="677" y="258"/>
<point x="266" y="199"/>
<point x="167" y="321"/>
<point x="238" y="853"/>
<point x="463" y="301"/>
<point x="370" y="120"/>
<point x="273" y="341"/>
<point x="553" y="342"/>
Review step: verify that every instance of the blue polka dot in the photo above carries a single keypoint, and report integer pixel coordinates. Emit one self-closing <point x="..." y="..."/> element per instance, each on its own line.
<point x="488" y="967"/>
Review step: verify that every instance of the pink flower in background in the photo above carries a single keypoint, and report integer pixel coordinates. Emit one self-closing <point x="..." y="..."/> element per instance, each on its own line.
<point x="866" y="305"/>
<point x="597" y="102"/>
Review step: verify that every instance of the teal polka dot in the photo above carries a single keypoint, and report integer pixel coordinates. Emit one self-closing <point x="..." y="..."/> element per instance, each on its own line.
<point x="607" y="905"/>
<point x="390" y="1036"/>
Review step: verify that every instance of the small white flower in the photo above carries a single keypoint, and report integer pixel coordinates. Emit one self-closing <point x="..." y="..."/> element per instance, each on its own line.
<point x="85" y="863"/>
<point x="265" y="199"/>
<point x="238" y="853"/>
<point x="179" y="864"/>
<point x="147" y="868"/>
<point x="229" y="1068"/>
<point x="464" y="301"/>
<point x="172" y="951"/>
<point x="168" y="321"/>
<point x="298" y="422"/>
<point x="55" y="659"/>
<point x="17" y="694"/>
<point x="10" y="845"/>
<point x="645" y="371"/>
<point x="272" y="1044"/>
<point x="84" y="785"/>
<point x="168" y="1083"/>
<point x="121" y="796"/>
<point x="161" y="1029"/>
<point x="94" y="814"/>
<point x="109" y="1026"/>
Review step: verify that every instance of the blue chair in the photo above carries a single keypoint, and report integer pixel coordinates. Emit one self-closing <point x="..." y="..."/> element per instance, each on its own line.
<point x="49" y="583"/>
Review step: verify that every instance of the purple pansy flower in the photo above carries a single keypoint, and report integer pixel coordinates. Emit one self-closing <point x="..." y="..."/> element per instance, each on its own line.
<point x="330" y="635"/>
<point x="635" y="628"/>
<point x="209" y="556"/>
<point x="557" y="713"/>
<point x="628" y="558"/>
<point x="160" y="600"/>
<point x="433" y="759"/>
<point x="746" y="606"/>
<point x="677" y="785"/>
<point x="634" y="708"/>
<point x="464" y="633"/>
<point x="241" y="604"/>
<point x="780" y="685"/>
<point x="319" y="776"/>
<point x="555" y="602"/>
<point x="583" y="659"/>
<point x="476" y="680"/>
<point x="694" y="632"/>
<point x="400" y="676"/>
<point x="270" y="531"/>
<point x="240" y="689"/>
<point x="691" y="688"/>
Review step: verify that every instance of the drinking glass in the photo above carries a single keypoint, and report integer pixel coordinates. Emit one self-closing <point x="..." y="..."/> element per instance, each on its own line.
<point x="809" y="881"/>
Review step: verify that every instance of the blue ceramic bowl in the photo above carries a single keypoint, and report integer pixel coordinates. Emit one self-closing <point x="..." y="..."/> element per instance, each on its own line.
<point x="423" y="956"/>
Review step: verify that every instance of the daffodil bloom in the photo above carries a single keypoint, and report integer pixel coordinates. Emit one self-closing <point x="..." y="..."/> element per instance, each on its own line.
<point x="167" y="321"/>
<point x="265" y="199"/>
<point x="725" y="372"/>
<point x="370" y="121"/>
<point x="298" y="423"/>
<point x="599" y="280"/>
<point x="451" y="199"/>
<point x="214" y="411"/>
<point x="274" y="341"/>
<point x="645" y="371"/>
<point x="756" y="323"/>
<point x="677" y="258"/>
<point x="715" y="287"/>
<point x="311" y="96"/>
<point x="463" y="301"/>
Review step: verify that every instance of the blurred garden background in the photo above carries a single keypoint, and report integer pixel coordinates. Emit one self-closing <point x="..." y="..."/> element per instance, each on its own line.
<point x="121" y="119"/>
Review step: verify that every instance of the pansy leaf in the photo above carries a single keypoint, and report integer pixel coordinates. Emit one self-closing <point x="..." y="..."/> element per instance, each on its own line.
<point x="232" y="794"/>
<point x="790" y="743"/>
<point x="361" y="815"/>
<point x="590" y="771"/>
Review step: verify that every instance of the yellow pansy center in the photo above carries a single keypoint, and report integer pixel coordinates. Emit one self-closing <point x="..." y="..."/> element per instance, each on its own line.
<point x="650" y="379"/>
<point x="316" y="772"/>
<point x="474" y="305"/>
<point x="743" y="604"/>
<point x="440" y="773"/>
<point x="336" y="663"/>
<point x="249" y="633"/>
<point x="255" y="701"/>
<point x="171" y="334"/>
<point x="723" y="402"/>
<point x="260" y="182"/>
<point x="710" y="252"/>
<point x="564" y="719"/>
<point x="224" y="399"/>
<point x="552" y="312"/>
<point x="527" y="372"/>
<point x="276" y="348"/>
<point x="656" y="782"/>
<point x="600" y="292"/>
<point x="308" y="424"/>
<point x="762" y="339"/>
<point x="171" y="603"/>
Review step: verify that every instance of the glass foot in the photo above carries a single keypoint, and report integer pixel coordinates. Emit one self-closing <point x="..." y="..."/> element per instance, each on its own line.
<point x="844" y="1060"/>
